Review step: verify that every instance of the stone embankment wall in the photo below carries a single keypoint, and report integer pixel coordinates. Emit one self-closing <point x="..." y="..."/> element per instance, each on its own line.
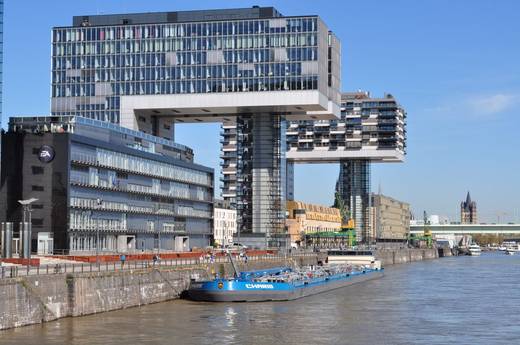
<point x="36" y="299"/>
<point x="401" y="256"/>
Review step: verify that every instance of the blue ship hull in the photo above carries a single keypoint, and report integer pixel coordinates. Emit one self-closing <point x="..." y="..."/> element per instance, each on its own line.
<point x="244" y="290"/>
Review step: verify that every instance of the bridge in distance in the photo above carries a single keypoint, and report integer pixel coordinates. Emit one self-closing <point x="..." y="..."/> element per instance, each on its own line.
<point x="468" y="229"/>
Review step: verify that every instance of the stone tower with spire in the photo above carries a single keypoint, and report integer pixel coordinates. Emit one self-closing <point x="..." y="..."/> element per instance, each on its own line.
<point x="468" y="211"/>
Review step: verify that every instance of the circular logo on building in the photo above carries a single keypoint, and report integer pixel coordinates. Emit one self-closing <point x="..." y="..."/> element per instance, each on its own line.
<point x="46" y="154"/>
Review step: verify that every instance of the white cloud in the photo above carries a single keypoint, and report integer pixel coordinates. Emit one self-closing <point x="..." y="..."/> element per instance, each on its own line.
<point x="492" y="104"/>
<point x="477" y="106"/>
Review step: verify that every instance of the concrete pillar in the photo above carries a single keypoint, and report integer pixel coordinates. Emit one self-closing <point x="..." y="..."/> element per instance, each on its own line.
<point x="290" y="181"/>
<point x="354" y="188"/>
<point x="25" y="240"/>
<point x="261" y="174"/>
<point x="7" y="240"/>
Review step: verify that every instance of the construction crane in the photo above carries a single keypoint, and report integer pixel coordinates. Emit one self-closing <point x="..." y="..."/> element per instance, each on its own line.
<point x="347" y="223"/>
<point x="427" y="233"/>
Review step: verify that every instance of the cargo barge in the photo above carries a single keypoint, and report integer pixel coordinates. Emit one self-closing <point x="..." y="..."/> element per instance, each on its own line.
<point x="281" y="284"/>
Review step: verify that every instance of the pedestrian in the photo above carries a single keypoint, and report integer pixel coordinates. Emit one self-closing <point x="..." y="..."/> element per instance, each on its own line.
<point x="154" y="258"/>
<point x="123" y="259"/>
<point x="245" y="258"/>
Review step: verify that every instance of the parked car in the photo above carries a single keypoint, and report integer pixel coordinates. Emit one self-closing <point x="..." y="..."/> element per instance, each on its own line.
<point x="237" y="246"/>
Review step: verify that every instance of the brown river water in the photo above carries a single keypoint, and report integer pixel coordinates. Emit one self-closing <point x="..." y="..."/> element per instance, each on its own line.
<point x="458" y="300"/>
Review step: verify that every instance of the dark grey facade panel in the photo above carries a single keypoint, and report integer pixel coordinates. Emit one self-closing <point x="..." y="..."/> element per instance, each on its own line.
<point x="176" y="17"/>
<point x="25" y="177"/>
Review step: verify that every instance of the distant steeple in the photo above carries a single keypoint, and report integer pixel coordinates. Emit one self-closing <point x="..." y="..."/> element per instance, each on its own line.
<point x="468" y="211"/>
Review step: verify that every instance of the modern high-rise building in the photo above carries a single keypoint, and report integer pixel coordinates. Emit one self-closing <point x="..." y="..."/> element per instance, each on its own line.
<point x="149" y="71"/>
<point x="468" y="211"/>
<point x="376" y="129"/>
<point x="369" y="130"/>
<point x="103" y="187"/>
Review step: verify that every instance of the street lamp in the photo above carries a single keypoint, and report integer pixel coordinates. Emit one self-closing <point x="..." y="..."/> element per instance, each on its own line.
<point x="99" y="202"/>
<point x="26" y="204"/>
<point x="157" y="207"/>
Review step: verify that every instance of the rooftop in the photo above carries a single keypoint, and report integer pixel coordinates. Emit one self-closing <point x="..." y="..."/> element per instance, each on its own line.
<point x="254" y="12"/>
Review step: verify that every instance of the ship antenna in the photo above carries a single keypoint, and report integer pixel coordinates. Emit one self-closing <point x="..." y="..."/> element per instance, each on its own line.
<point x="237" y="272"/>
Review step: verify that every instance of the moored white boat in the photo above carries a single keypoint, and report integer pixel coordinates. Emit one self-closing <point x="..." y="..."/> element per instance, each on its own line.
<point x="474" y="250"/>
<point x="512" y="248"/>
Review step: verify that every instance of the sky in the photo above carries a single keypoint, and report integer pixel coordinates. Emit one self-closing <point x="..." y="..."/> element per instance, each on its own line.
<point x="453" y="65"/>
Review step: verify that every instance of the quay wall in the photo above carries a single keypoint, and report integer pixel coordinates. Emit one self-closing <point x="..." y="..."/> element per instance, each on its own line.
<point x="405" y="255"/>
<point x="40" y="298"/>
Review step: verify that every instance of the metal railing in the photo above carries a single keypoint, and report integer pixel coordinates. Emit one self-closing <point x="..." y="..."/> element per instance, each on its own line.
<point x="66" y="268"/>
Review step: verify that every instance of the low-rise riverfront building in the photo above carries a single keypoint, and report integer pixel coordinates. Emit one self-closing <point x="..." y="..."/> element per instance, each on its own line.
<point x="390" y="219"/>
<point x="224" y="222"/>
<point x="304" y="219"/>
<point x="104" y="187"/>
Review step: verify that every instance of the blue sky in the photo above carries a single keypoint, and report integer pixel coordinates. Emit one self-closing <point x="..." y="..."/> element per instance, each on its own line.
<point x="454" y="65"/>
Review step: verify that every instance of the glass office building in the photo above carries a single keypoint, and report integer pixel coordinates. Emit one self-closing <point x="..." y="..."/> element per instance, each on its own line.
<point x="148" y="71"/>
<point x="128" y="189"/>
<point x="102" y="58"/>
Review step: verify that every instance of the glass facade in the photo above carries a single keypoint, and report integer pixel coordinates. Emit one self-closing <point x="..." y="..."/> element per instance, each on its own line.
<point x="137" y="195"/>
<point x="366" y="124"/>
<point x="92" y="67"/>
<point x="127" y="196"/>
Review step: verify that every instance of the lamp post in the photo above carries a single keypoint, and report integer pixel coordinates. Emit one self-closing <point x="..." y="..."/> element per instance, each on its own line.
<point x="157" y="206"/>
<point x="99" y="202"/>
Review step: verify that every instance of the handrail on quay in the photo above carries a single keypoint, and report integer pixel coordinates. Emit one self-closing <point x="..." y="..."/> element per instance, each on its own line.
<point x="62" y="268"/>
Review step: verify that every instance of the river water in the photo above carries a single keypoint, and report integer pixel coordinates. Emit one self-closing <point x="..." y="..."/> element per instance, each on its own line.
<point x="458" y="300"/>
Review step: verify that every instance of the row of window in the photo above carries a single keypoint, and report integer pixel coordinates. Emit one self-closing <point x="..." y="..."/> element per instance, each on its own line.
<point x="177" y="45"/>
<point x="168" y="188"/>
<point x="259" y="26"/>
<point x="83" y="220"/>
<point x="240" y="71"/>
<point x="191" y="86"/>
<point x="183" y="59"/>
<point x="145" y="166"/>
<point x="151" y="208"/>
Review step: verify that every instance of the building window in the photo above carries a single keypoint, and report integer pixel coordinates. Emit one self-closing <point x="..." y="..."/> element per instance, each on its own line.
<point x="37" y="170"/>
<point x="37" y="222"/>
<point x="37" y="188"/>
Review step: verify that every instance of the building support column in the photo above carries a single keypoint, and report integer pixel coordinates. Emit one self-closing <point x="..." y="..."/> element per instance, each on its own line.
<point x="261" y="176"/>
<point x="289" y="185"/>
<point x="354" y="188"/>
